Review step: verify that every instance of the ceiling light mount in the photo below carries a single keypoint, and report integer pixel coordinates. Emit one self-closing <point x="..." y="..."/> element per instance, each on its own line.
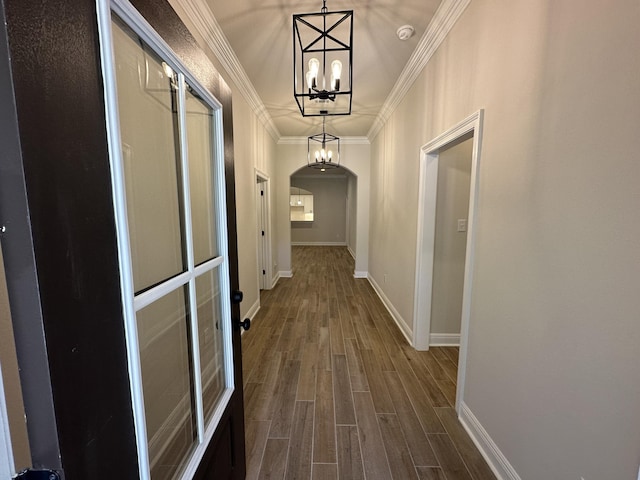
<point x="405" y="32"/>
<point x="322" y="45"/>
<point x="319" y="153"/>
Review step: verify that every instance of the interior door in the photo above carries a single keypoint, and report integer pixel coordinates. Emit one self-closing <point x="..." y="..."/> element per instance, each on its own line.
<point x="261" y="214"/>
<point x="123" y="274"/>
<point x="167" y="154"/>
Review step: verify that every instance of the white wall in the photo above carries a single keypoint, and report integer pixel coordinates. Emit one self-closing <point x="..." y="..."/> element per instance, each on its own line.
<point x="355" y="157"/>
<point x="329" y="211"/>
<point x="552" y="370"/>
<point x="452" y="204"/>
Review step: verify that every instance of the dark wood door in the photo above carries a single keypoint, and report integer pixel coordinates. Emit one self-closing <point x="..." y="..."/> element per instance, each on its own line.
<point x="64" y="271"/>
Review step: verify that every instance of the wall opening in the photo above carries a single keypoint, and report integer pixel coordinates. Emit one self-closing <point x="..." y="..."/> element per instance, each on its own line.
<point x="426" y="263"/>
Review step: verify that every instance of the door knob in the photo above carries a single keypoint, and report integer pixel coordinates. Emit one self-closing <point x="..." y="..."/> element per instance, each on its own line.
<point x="246" y="324"/>
<point x="236" y="296"/>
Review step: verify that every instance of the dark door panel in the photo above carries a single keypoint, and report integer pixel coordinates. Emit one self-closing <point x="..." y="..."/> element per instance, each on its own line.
<point x="60" y="245"/>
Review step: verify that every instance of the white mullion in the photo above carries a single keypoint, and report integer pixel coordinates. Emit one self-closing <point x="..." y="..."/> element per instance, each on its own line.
<point x="188" y="225"/>
<point x="122" y="231"/>
<point x="208" y="265"/>
<point x="160" y="290"/>
<point x="223" y="236"/>
<point x="167" y="286"/>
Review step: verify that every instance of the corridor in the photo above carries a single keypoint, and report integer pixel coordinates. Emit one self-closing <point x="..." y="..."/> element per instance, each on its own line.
<point x="333" y="390"/>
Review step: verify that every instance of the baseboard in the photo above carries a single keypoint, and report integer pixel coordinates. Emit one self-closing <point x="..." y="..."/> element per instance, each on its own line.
<point x="285" y="274"/>
<point x="400" y="322"/>
<point x="488" y="448"/>
<point x="351" y="252"/>
<point x="359" y="274"/>
<point x="274" y="280"/>
<point x="253" y="310"/>
<point x="318" y="244"/>
<point x="444" y="340"/>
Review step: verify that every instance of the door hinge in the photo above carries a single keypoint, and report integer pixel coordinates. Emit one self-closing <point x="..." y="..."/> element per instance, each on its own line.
<point x="261" y="193"/>
<point x="263" y="233"/>
<point x="31" y="474"/>
<point x="264" y="272"/>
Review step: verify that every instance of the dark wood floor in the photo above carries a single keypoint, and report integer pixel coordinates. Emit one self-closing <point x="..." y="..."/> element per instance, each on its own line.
<point x="333" y="390"/>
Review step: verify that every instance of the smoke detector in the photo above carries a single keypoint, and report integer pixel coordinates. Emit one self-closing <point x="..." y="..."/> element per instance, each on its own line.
<point x="405" y="32"/>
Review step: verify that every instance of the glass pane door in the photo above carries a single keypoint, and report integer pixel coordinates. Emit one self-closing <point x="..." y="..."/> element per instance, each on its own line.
<point x="174" y="198"/>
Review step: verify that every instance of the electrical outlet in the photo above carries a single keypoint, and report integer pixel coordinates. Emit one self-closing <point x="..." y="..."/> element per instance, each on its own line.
<point x="462" y="224"/>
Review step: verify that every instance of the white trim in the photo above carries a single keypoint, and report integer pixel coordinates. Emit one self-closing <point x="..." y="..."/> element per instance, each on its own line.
<point x="444" y="340"/>
<point x="147" y="298"/>
<point x="188" y="231"/>
<point x="496" y="460"/>
<point x="360" y="274"/>
<point x="7" y="465"/>
<point x="402" y="324"/>
<point x="255" y="308"/>
<point x="351" y="252"/>
<point x="425" y="241"/>
<point x="442" y="22"/>
<point x="343" y="140"/>
<point x="319" y="244"/>
<point x="275" y="279"/>
<point x="207" y="26"/>
<point x="285" y="274"/>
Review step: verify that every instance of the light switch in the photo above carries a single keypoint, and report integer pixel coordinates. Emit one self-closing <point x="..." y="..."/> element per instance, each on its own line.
<point x="462" y="224"/>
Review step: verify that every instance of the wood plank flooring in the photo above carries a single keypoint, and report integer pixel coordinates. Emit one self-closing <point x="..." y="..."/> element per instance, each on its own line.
<point x="333" y="390"/>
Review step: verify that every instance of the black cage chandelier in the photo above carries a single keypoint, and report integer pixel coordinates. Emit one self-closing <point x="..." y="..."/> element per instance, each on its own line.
<point x="319" y="150"/>
<point x="322" y="45"/>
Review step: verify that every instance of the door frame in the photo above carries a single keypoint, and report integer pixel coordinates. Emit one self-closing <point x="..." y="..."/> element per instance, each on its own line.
<point x="263" y="220"/>
<point x="429" y="163"/>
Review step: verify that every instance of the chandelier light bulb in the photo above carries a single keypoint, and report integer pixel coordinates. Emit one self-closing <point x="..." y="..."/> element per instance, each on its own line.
<point x="336" y="72"/>
<point x="312" y="74"/>
<point x="311" y="80"/>
<point x="317" y="155"/>
<point x="329" y="153"/>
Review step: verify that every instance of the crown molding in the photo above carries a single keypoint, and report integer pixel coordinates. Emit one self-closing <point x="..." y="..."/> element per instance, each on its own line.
<point x="343" y="141"/>
<point x="443" y="21"/>
<point x="207" y="26"/>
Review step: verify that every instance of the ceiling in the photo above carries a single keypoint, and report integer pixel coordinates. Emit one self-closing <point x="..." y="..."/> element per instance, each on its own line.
<point x="260" y="35"/>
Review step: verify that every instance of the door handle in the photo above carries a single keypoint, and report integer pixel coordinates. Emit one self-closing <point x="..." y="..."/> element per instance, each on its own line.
<point x="246" y="324"/>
